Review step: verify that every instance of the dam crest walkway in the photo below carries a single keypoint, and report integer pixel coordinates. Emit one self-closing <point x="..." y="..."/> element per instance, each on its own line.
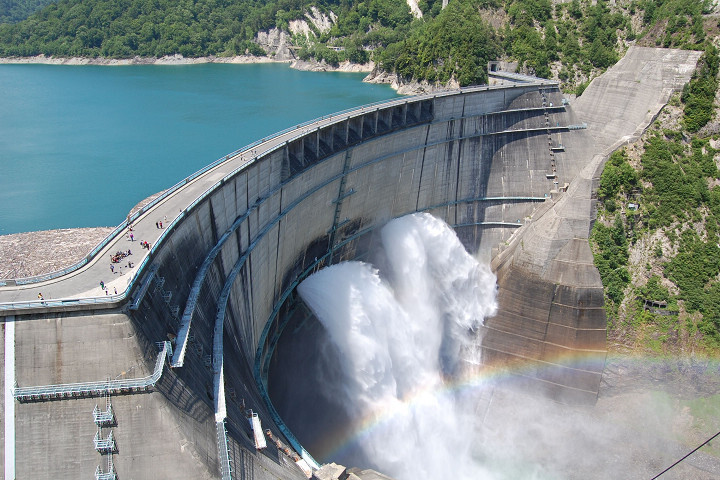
<point x="79" y="287"/>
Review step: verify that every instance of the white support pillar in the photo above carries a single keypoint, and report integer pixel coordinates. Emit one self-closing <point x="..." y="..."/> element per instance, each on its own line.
<point x="9" y="419"/>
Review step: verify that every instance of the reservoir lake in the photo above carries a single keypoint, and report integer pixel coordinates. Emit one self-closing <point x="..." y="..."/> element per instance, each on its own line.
<point x="81" y="145"/>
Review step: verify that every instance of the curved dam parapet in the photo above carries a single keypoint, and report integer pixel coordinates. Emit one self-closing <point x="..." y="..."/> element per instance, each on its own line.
<point x="482" y="159"/>
<point x="510" y="168"/>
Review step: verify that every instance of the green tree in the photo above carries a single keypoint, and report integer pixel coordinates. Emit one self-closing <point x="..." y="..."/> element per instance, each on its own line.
<point x="611" y="257"/>
<point x="699" y="94"/>
<point x="617" y="176"/>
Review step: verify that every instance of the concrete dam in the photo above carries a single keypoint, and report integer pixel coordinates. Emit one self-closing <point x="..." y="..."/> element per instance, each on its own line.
<point x="202" y="328"/>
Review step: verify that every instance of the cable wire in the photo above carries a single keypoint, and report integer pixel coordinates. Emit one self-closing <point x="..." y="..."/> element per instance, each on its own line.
<point x="686" y="456"/>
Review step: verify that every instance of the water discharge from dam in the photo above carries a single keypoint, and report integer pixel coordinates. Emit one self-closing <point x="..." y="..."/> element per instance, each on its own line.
<point x="397" y="353"/>
<point x="406" y="336"/>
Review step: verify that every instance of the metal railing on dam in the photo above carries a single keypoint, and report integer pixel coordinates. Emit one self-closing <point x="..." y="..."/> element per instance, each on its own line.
<point x="95" y="389"/>
<point x="287" y="136"/>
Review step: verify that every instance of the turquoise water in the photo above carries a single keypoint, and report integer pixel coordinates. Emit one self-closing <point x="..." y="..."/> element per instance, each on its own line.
<point x="81" y="145"/>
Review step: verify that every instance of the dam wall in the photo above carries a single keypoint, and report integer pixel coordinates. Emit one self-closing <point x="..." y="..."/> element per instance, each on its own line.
<point x="221" y="284"/>
<point x="549" y="259"/>
<point x="480" y="159"/>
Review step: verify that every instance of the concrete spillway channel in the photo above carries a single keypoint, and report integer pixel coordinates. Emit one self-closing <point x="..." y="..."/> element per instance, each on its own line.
<point x="490" y="161"/>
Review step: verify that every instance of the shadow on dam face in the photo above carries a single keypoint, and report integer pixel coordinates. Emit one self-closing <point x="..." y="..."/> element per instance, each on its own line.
<point x="497" y="180"/>
<point x="306" y="363"/>
<point x="306" y="378"/>
<point x="482" y="165"/>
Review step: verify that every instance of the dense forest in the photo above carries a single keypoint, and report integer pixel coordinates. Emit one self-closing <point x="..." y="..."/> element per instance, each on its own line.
<point x="572" y="40"/>
<point x="13" y="11"/>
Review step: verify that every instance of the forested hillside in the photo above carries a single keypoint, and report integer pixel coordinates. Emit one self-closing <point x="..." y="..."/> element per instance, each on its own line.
<point x="572" y="40"/>
<point x="13" y="11"/>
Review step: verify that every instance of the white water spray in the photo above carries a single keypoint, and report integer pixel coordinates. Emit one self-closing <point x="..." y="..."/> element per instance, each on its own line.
<point x="404" y="337"/>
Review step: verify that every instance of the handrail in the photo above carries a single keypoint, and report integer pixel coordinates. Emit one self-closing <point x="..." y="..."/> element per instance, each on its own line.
<point x="94" y="388"/>
<point x="63" y="302"/>
<point x="115" y="298"/>
<point x="521" y="77"/>
<point x="354" y="110"/>
<point x="104" y="444"/>
<point x="223" y="451"/>
<point x="144" y="286"/>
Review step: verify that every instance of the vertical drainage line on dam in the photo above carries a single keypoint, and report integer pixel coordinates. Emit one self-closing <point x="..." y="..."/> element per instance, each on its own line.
<point x="461" y="133"/>
<point x="277" y="244"/>
<point x="422" y="167"/>
<point x="457" y="176"/>
<point x="338" y="202"/>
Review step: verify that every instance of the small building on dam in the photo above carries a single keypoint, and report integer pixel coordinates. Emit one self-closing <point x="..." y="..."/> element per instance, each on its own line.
<point x="173" y="375"/>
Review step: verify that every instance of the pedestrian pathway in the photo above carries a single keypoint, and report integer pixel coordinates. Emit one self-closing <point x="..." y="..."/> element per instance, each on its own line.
<point x="84" y="284"/>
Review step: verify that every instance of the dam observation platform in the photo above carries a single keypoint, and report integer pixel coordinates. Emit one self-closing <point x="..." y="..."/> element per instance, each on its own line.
<point x="217" y="283"/>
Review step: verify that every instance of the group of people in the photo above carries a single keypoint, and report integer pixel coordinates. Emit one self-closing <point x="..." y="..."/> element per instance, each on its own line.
<point x="107" y="288"/>
<point x="119" y="255"/>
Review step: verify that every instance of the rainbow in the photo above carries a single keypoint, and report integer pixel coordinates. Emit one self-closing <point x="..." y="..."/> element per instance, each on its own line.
<point x="476" y="382"/>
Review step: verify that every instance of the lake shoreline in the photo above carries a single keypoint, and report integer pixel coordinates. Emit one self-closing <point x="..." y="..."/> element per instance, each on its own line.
<point x="373" y="74"/>
<point x="167" y="60"/>
<point x="181" y="60"/>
